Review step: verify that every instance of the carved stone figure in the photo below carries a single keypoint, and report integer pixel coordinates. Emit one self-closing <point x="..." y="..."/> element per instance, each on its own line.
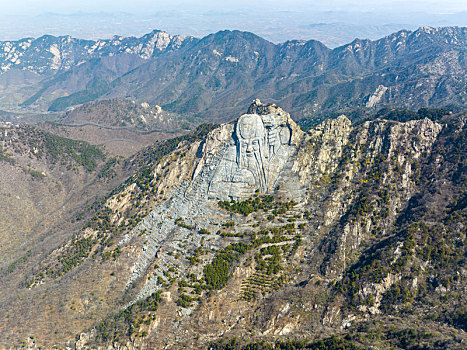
<point x="261" y="147"/>
<point x="252" y="147"/>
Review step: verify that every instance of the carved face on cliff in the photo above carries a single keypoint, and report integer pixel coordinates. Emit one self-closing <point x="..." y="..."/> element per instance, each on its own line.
<point x="251" y="137"/>
<point x="250" y="133"/>
<point x="262" y="147"/>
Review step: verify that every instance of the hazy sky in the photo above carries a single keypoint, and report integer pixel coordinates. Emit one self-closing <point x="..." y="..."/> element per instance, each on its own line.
<point x="334" y="22"/>
<point x="138" y="6"/>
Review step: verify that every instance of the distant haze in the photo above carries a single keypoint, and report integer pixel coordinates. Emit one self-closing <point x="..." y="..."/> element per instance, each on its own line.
<point x="334" y="22"/>
<point x="142" y="6"/>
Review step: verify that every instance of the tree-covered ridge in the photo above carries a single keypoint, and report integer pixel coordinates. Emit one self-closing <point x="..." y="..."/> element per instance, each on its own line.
<point x="426" y="250"/>
<point x="122" y="113"/>
<point x="360" y="114"/>
<point x="405" y="114"/>
<point x="151" y="155"/>
<point x="27" y="140"/>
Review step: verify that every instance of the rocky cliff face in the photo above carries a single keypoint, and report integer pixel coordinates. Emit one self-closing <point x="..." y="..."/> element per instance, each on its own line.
<point x="259" y="230"/>
<point x="48" y="53"/>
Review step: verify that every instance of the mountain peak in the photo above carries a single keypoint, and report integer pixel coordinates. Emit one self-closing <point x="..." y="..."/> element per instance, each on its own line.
<point x="236" y="34"/>
<point x="257" y="107"/>
<point x="427" y="29"/>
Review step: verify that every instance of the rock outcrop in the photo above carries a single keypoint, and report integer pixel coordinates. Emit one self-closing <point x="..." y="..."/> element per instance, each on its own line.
<point x="260" y="145"/>
<point x="262" y="231"/>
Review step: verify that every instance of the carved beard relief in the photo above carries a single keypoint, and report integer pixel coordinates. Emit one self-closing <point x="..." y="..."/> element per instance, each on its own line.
<point x="260" y="150"/>
<point x="251" y="141"/>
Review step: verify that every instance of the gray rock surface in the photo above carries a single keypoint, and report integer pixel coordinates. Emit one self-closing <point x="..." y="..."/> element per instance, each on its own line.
<point x="262" y="144"/>
<point x="252" y="156"/>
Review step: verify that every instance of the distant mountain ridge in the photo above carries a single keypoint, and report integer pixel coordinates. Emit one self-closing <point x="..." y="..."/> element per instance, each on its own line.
<point x="217" y="76"/>
<point x="49" y="53"/>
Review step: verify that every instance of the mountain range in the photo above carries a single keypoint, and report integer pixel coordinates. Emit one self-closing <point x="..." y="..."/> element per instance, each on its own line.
<point x="217" y="76"/>
<point x="150" y="200"/>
